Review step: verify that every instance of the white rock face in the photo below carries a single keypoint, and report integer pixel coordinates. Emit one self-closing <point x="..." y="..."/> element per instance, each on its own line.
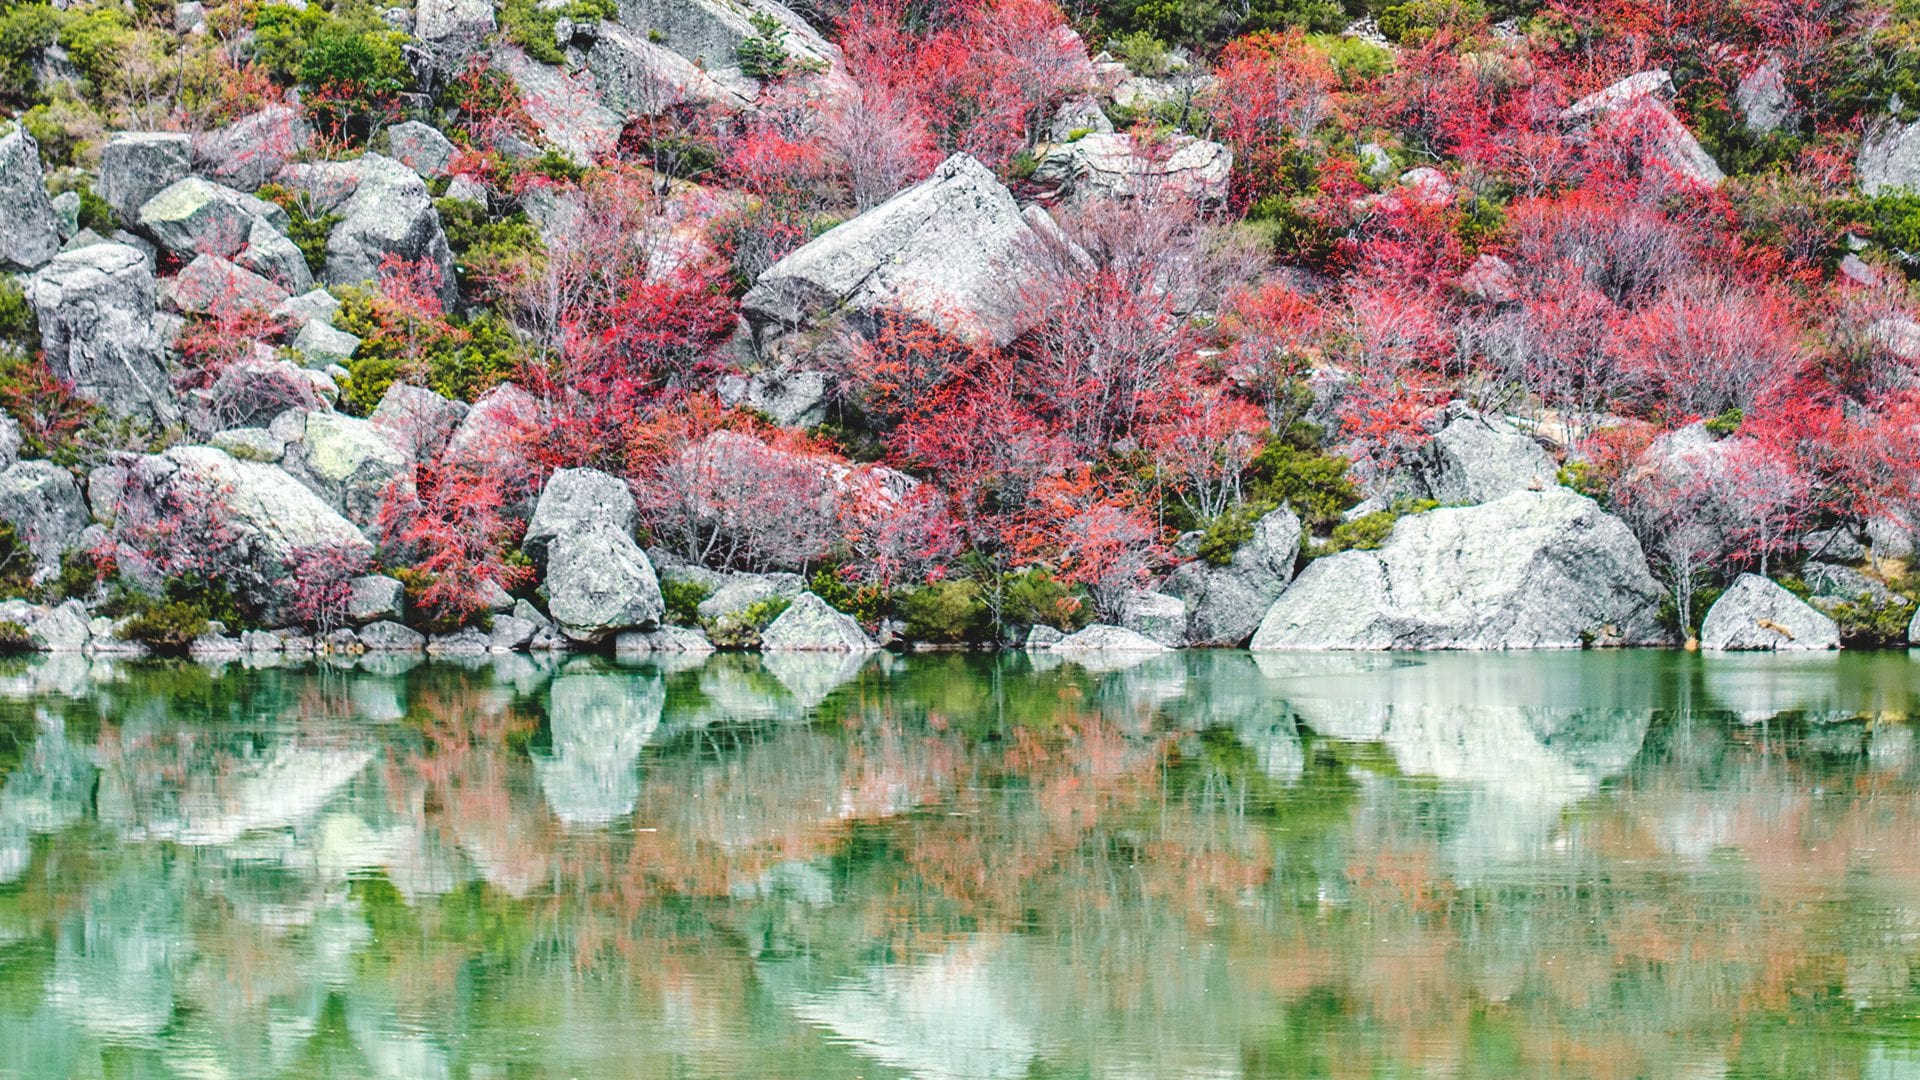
<point x="577" y="500"/>
<point x="347" y="461"/>
<point x="948" y="249"/>
<point x="1765" y="103"/>
<point x="1535" y="569"/>
<point x="1476" y="460"/>
<point x="1758" y="614"/>
<point x="710" y="32"/>
<point x="1641" y="101"/>
<point x="810" y="625"/>
<point x="1110" y="166"/>
<point x="1101" y="638"/>
<point x="96" y="311"/>
<point x="1889" y="159"/>
<point x="29" y="228"/>
<point x="564" y="107"/>
<point x="599" y="583"/>
<point x="636" y="77"/>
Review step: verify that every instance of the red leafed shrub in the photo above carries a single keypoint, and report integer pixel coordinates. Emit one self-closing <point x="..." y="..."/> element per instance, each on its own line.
<point x="1088" y="534"/>
<point x="445" y="523"/>
<point x="1201" y="446"/>
<point x="322" y="586"/>
<point x="1272" y="92"/>
<point x="207" y="344"/>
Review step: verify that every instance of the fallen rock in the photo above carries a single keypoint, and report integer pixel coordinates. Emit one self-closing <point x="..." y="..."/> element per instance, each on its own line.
<point x="574" y="501"/>
<point x="742" y="591"/>
<point x="945" y="250"/>
<point x="137" y="165"/>
<point x="1889" y="159"/>
<point x="193" y="216"/>
<point x="1763" y="99"/>
<point x="250" y="151"/>
<point x="97" y="330"/>
<point x="1109" y="166"/>
<point x="1757" y="614"/>
<point x="510" y="634"/>
<point x="1533" y="569"/>
<point x="43" y="504"/>
<point x="1477" y="460"/>
<point x="810" y="624"/>
<point x="452" y="30"/>
<point x="1100" y="638"/>
<point x="599" y="583"/>
<point x="376" y="597"/>
<point x="790" y="397"/>
<point x="276" y="258"/>
<point x="564" y="108"/>
<point x="468" y="642"/>
<point x="250" y="393"/>
<point x="61" y="629"/>
<point x="1157" y="616"/>
<point x="29" y="229"/>
<point x="348" y="462"/>
<point x="391" y="637"/>
<point x="319" y="345"/>
<point x="710" y="32"/>
<point x="1638" y="102"/>
<point x="1226" y="603"/>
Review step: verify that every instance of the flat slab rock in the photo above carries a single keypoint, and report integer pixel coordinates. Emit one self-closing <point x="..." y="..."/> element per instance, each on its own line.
<point x="1756" y="614"/>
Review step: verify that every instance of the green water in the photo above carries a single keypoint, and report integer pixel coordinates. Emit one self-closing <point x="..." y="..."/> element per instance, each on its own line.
<point x="1205" y="866"/>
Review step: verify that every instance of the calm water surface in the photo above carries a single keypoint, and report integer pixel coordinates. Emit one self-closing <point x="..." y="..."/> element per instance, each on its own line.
<point x="1211" y="865"/>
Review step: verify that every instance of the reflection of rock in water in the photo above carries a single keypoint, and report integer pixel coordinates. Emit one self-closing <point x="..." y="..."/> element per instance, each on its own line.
<point x="1515" y="739"/>
<point x="1233" y="692"/>
<point x="282" y="787"/>
<point x="50" y="789"/>
<point x="811" y="676"/>
<point x="599" y="724"/>
<point x="1821" y="687"/>
<point x="945" y="1017"/>
<point x="114" y="966"/>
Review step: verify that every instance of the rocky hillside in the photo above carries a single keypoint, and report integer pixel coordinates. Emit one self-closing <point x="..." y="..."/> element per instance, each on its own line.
<point x="668" y="325"/>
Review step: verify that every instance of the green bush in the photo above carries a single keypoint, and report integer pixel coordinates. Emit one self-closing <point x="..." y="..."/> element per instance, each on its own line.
<point x="25" y="29"/>
<point x="1293" y="471"/>
<point x="741" y="629"/>
<point x="946" y="613"/>
<point x="866" y="603"/>
<point x="457" y="358"/>
<point x="166" y="627"/>
<point x="1036" y="598"/>
<point x="1415" y="22"/>
<point x="1225" y="534"/>
<point x="683" y="598"/>
<point x="97" y="40"/>
<point x="1143" y="53"/>
<point x="530" y="26"/>
<point x="764" y="55"/>
<point x="18" y="325"/>
<point x="14" y="638"/>
<point x="1368" y="531"/>
<point x="485" y="249"/>
<point x="308" y="230"/>
<point x="354" y="79"/>
<point x="16" y="562"/>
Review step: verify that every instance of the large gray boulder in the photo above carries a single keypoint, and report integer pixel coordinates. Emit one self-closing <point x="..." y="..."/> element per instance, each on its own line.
<point x="575" y="501"/>
<point x="1226" y="603"/>
<point x="192" y="216"/>
<point x="1109" y="166"/>
<point x="948" y="249"/>
<point x="374" y="597"/>
<point x="1758" y="614"/>
<point x="1476" y="460"/>
<point x="420" y="147"/>
<point x="348" y="462"/>
<point x="452" y="30"/>
<point x="96" y="312"/>
<point x="1766" y="104"/>
<point x="742" y="591"/>
<point x="137" y="165"/>
<point x="1640" y="102"/>
<point x="43" y="504"/>
<point x="1889" y="159"/>
<point x="810" y="624"/>
<point x="250" y="151"/>
<point x="599" y="583"/>
<point x="1534" y="569"/>
<point x="493" y="431"/>
<point x="29" y="228"/>
<point x="636" y="77"/>
<point x="1155" y="615"/>
<point x="271" y="255"/>
<point x="565" y="108"/>
<point x="384" y="209"/>
<point x="710" y="32"/>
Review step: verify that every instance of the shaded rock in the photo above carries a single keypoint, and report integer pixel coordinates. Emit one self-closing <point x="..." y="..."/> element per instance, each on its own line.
<point x="1157" y="616"/>
<point x="452" y="30"/>
<point x="420" y="147"/>
<point x="1100" y="638"/>
<point x="789" y="397"/>
<point x="1491" y="278"/>
<point x="391" y="637"/>
<point x="467" y="642"/>
<point x="417" y="420"/>
<point x="29" y="228"/>
<point x="276" y="258"/>
<point x="1534" y="569"/>
<point x="43" y="504"/>
<point x="574" y="501"/>
<point x="1758" y="614"/>
<point x="810" y="624"/>
<point x="61" y="629"/>
<point x="346" y="461"/>
<point x="193" y="216"/>
<point x="1077" y="119"/>
<point x="319" y="345"/>
<point x="599" y="583"/>
<point x="1476" y="460"/>
<point x="1833" y="584"/>
<point x="509" y="634"/>
<point x="636" y="77"/>
<point x="389" y="213"/>
<point x="1043" y="637"/>
<point x="944" y="249"/>
<point x="1226" y="603"/>
<point x="250" y="151"/>
<point x="96" y="313"/>
<point x="375" y="597"/>
<point x="137" y="165"/>
<point x="1109" y="166"/>
<point x="9" y="441"/>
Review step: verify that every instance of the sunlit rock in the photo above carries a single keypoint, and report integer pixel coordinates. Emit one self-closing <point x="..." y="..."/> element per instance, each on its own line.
<point x="599" y="725"/>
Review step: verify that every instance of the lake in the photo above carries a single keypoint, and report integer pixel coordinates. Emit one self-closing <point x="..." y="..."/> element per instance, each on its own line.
<point x="1194" y="865"/>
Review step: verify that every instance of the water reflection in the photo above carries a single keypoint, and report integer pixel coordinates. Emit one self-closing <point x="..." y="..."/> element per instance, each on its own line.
<point x="949" y="866"/>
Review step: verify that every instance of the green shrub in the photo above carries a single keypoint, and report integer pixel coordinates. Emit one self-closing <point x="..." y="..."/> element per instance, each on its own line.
<point x="25" y="29"/>
<point x="18" y="325"/>
<point x="1368" y="531"/>
<point x="1582" y="477"/>
<point x="1036" y="598"/>
<point x="354" y="79"/>
<point x="97" y="40"/>
<point x="486" y="249"/>
<point x="946" y="613"/>
<point x="1225" y="534"/>
<point x="741" y="629"/>
<point x="307" y="230"/>
<point x="1727" y="422"/>
<point x="16" y="562"/>
<point x="866" y="603"/>
<point x="764" y="55"/>
<point x="530" y="26"/>
<point x="1293" y="471"/>
<point x="683" y="598"/>
<point x="95" y="213"/>
<point x="80" y="575"/>
<point x="1143" y="53"/>
<point x="458" y="358"/>
<point x="1356" y="60"/>
<point x="166" y="627"/>
<point x="14" y="638"/>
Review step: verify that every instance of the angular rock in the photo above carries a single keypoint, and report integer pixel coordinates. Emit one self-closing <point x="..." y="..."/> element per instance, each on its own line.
<point x="276" y="258"/>
<point x="262" y="505"/>
<point x="315" y="305"/>
<point x="1109" y="166"/>
<point x="62" y="629"/>
<point x="452" y="30"/>
<point x="251" y="393"/>
<point x="1757" y="614"/>
<point x="210" y="285"/>
<point x="1534" y="569"/>
<point x="1833" y="585"/>
<point x="29" y="229"/>
<point x="1476" y="460"/>
<point x="320" y="345"/>
<point x="791" y="398"/>
<point x="375" y="597"/>
<point x="574" y="501"/>
<point x="1889" y="159"/>
<point x="43" y="504"/>
<point x="510" y="634"/>
<point x="564" y="108"/>
<point x="9" y="441"/>
<point x="1042" y="637"/>
<point x="96" y="314"/>
<point x="1156" y="616"/>
<point x="1763" y="99"/>
<point x="348" y="462"/>
<point x="420" y="147"/>
<point x="1077" y="119"/>
<point x="389" y="213"/>
<point x="1640" y="101"/>
<point x="667" y="639"/>
<point x="600" y="583"/>
<point x="636" y="77"/>
<point x="494" y="429"/>
<point x="416" y="419"/>
<point x="710" y="32"/>
<point x="946" y="250"/>
<point x="250" y="151"/>
<point x="1226" y="603"/>
<point x="137" y="165"/>
<point x="810" y="624"/>
<point x="742" y="591"/>
<point x="193" y="216"/>
<point x="249" y="444"/>
<point x="468" y="642"/>
<point x="391" y="637"/>
<point x="1101" y="638"/>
